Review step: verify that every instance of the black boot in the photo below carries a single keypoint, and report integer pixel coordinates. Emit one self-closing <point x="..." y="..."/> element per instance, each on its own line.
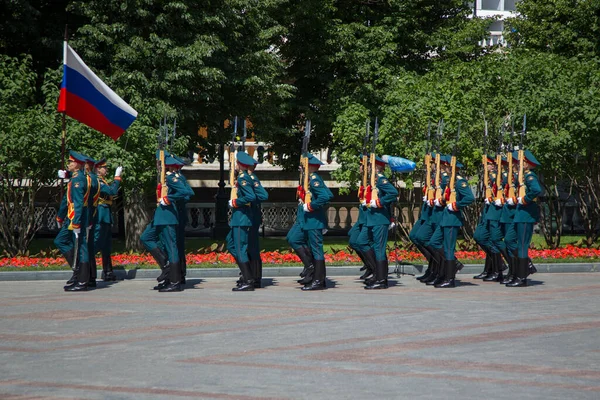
<point x="494" y="269"/>
<point x="520" y="278"/>
<point x="319" y="282"/>
<point x="449" y="274"/>
<point x="93" y="271"/>
<point x="69" y="257"/>
<point x="257" y="273"/>
<point x="307" y="259"/>
<point x="248" y="280"/>
<point x="161" y="260"/>
<point x="108" y="274"/>
<point x="441" y="270"/>
<point x="370" y="262"/>
<point x="381" y="273"/>
<point x="183" y="263"/>
<point x="512" y="263"/>
<point x="428" y="272"/>
<point x="531" y="268"/>
<point x="82" y="277"/>
<point x="175" y="276"/>
<point x="486" y="268"/>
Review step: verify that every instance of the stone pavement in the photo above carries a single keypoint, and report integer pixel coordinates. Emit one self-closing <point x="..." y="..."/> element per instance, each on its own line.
<point x="125" y="341"/>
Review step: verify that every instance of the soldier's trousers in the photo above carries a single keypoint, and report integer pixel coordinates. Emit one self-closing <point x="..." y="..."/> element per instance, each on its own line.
<point x="295" y="237"/>
<point x="524" y="235"/>
<point x="237" y="243"/>
<point x="436" y="240"/>
<point x="253" y="242"/>
<point x="450" y="235"/>
<point x="495" y="230"/>
<point x="378" y="236"/>
<point x="181" y="243"/>
<point x="424" y="234"/>
<point x="103" y="238"/>
<point x="482" y="237"/>
<point x="166" y="235"/>
<point x="314" y="238"/>
<point x="510" y="236"/>
<point x="64" y="239"/>
<point x="359" y="238"/>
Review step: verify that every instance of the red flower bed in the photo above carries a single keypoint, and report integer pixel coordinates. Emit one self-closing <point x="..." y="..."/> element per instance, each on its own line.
<point x="275" y="257"/>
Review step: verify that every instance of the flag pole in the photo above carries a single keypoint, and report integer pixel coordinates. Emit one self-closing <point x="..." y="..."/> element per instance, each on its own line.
<point x="64" y="120"/>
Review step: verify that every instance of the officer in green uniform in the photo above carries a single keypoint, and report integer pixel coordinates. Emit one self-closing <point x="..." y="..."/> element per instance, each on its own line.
<point x="253" y="240"/>
<point x="359" y="237"/>
<point x="431" y="232"/>
<point x="73" y="215"/>
<point x="182" y="214"/>
<point x="492" y="221"/>
<point x="526" y="216"/>
<point x="378" y="223"/>
<point x="422" y="230"/>
<point x="103" y="227"/>
<point x="451" y="223"/>
<point x="162" y="231"/>
<point x="241" y="221"/>
<point x="482" y="234"/>
<point x="93" y="199"/>
<point x="315" y="222"/>
<point x="507" y="225"/>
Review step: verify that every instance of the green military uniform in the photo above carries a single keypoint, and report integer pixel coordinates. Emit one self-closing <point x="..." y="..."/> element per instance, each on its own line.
<point x="93" y="199"/>
<point x="431" y="232"/>
<point x="315" y="221"/>
<point x="253" y="240"/>
<point x="527" y="214"/>
<point x="241" y="222"/>
<point x="104" y="220"/>
<point x="378" y="222"/>
<point x="509" y="233"/>
<point x="359" y="241"/>
<point x="482" y="234"/>
<point x="182" y="216"/>
<point x="450" y="224"/>
<point x="72" y="236"/>
<point x="162" y="232"/>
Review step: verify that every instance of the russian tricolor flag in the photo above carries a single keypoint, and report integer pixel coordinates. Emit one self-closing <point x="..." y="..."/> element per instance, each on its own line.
<point x="84" y="97"/>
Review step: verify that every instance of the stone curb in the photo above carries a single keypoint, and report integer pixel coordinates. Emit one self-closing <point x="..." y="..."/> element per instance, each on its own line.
<point x="272" y="272"/>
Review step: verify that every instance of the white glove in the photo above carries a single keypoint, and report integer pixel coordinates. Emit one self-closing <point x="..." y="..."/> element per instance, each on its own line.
<point x="520" y="200"/>
<point x="230" y="203"/>
<point x="118" y="171"/>
<point x="163" y="203"/>
<point x="510" y="201"/>
<point x="425" y="199"/>
<point x="305" y="207"/>
<point x="59" y="224"/>
<point x="62" y="174"/>
<point x="437" y="203"/>
<point x="429" y="203"/>
<point x="487" y="201"/>
<point x="324" y="231"/>
<point x="76" y="231"/>
<point x="373" y="203"/>
<point x="363" y="203"/>
<point x="392" y="226"/>
<point x="449" y="207"/>
<point x="498" y="203"/>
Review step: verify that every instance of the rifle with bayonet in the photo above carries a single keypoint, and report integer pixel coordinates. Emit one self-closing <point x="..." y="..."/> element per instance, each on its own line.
<point x="522" y="160"/>
<point x="486" y="175"/>
<point x="451" y="189"/>
<point x="244" y="136"/>
<point x="427" y="189"/>
<point x="438" y="171"/>
<point x="163" y="140"/>
<point x="232" y="160"/>
<point x="303" y="192"/>
<point x="364" y="162"/>
<point x="509" y="159"/>
<point x="372" y="193"/>
<point x="499" y="188"/>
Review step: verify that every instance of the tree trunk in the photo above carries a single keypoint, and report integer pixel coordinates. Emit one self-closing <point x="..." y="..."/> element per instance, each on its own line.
<point x="137" y="214"/>
<point x="554" y="213"/>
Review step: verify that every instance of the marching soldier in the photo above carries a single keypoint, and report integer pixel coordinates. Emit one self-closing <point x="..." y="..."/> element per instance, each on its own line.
<point x="527" y="214"/>
<point x="253" y="240"/>
<point x="492" y="223"/>
<point x="482" y="235"/>
<point x="507" y="225"/>
<point x="182" y="214"/>
<point x="378" y="222"/>
<point x="92" y="205"/>
<point x="315" y="222"/>
<point x="241" y="221"/>
<point x="162" y="231"/>
<point x="451" y="222"/>
<point x="71" y="217"/>
<point x="359" y="236"/>
<point x="431" y="232"/>
<point x="103" y="227"/>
